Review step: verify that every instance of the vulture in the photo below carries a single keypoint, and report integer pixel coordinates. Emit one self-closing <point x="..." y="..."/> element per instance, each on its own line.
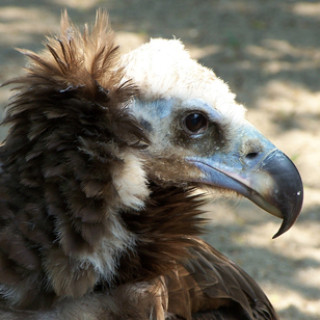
<point x="99" y="209"/>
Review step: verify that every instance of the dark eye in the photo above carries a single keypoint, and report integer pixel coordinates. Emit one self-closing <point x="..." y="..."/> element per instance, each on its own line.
<point x="196" y="123"/>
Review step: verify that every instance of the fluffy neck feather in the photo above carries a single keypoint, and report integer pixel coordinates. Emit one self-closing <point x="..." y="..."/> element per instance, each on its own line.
<point x="71" y="146"/>
<point x="76" y="205"/>
<point x="70" y="132"/>
<point x="164" y="230"/>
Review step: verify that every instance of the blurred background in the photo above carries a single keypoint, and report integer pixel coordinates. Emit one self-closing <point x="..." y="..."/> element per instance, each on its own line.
<point x="269" y="54"/>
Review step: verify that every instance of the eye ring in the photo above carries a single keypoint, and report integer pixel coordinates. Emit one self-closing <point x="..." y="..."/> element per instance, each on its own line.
<point x="195" y="122"/>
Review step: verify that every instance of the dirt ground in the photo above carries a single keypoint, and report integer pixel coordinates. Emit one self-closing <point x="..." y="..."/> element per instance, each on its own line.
<point x="269" y="53"/>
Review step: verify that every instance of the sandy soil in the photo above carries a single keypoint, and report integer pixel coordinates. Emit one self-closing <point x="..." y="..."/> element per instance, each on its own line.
<point x="269" y="53"/>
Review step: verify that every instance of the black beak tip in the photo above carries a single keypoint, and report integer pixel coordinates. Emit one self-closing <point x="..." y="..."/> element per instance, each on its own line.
<point x="290" y="218"/>
<point x="287" y="194"/>
<point x="285" y="226"/>
<point x="293" y="208"/>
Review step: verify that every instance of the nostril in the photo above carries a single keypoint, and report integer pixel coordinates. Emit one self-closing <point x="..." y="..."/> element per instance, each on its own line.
<point x="252" y="155"/>
<point x="251" y="151"/>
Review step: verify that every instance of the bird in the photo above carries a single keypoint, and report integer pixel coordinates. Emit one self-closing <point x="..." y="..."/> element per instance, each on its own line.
<point x="100" y="177"/>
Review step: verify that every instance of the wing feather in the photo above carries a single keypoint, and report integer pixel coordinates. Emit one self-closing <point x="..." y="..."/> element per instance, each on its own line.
<point x="213" y="287"/>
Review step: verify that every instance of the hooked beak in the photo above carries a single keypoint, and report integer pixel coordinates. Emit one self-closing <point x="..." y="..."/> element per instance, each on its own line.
<point x="267" y="177"/>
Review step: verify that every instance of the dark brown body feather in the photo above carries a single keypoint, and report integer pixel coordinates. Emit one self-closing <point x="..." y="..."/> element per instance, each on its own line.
<point x="56" y="185"/>
<point x="69" y="125"/>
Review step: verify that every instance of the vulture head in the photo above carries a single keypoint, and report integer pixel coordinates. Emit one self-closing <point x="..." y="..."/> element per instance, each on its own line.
<point x="100" y="164"/>
<point x="199" y="136"/>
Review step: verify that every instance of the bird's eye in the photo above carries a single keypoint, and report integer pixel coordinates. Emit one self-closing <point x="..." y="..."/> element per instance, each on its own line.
<point x="195" y="123"/>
